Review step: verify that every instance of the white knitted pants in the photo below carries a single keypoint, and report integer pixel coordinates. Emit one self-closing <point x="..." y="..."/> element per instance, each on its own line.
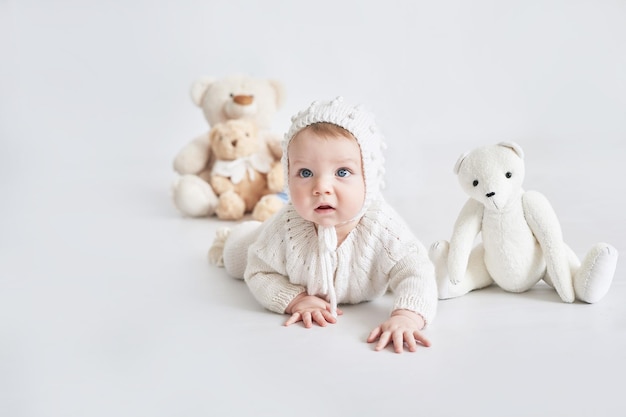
<point x="236" y="247"/>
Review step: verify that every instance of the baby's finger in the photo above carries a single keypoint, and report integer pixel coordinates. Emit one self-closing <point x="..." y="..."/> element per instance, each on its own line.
<point x="373" y="335"/>
<point x="328" y="316"/>
<point x="420" y="338"/>
<point x="410" y="341"/>
<point x="398" y="341"/>
<point x="306" y="319"/>
<point x="383" y="341"/>
<point x="319" y="318"/>
<point x="295" y="317"/>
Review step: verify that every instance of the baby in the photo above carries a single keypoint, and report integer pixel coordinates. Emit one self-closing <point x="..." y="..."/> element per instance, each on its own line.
<point x="337" y="241"/>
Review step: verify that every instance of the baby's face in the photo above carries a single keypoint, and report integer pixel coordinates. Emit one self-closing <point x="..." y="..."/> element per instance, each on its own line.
<point x="325" y="178"/>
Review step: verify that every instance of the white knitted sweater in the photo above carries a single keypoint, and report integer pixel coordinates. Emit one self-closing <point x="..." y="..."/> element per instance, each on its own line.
<point x="380" y="253"/>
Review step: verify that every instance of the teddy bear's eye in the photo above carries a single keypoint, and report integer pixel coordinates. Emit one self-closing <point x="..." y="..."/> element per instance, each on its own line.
<point x="475" y="183"/>
<point x="508" y="175"/>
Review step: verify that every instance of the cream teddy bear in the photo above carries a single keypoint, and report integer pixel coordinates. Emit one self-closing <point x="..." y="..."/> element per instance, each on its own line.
<point x="239" y="172"/>
<point x="521" y="238"/>
<point x="230" y="98"/>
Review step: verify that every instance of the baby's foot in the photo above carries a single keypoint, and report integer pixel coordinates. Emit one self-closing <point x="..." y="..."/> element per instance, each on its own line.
<point x="216" y="252"/>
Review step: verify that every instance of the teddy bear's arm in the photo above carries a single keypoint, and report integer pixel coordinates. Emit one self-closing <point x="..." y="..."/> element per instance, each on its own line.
<point x="546" y="227"/>
<point x="221" y="184"/>
<point x="194" y="157"/>
<point x="274" y="144"/>
<point x="466" y="228"/>
<point x="275" y="178"/>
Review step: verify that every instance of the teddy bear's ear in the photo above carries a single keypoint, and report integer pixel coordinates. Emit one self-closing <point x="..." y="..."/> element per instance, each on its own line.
<point x="280" y="92"/>
<point x="515" y="147"/>
<point x="199" y="89"/>
<point x="457" y="166"/>
<point x="215" y="131"/>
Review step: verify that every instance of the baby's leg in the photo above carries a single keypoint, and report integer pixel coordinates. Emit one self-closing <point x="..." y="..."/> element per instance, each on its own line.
<point x="235" y="253"/>
<point x="593" y="277"/>
<point x="475" y="277"/>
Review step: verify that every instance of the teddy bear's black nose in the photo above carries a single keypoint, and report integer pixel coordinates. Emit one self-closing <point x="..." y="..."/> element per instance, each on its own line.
<point x="234" y="142"/>
<point x="491" y="194"/>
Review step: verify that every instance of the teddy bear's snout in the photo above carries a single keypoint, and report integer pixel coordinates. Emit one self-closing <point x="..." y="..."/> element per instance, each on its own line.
<point x="243" y="100"/>
<point x="491" y="194"/>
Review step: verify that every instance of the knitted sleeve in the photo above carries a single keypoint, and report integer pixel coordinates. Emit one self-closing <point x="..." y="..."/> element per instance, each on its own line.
<point x="265" y="273"/>
<point x="272" y="290"/>
<point x="412" y="281"/>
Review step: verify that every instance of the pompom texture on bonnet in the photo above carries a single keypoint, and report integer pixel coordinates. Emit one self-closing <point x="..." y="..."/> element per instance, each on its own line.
<point x="356" y="120"/>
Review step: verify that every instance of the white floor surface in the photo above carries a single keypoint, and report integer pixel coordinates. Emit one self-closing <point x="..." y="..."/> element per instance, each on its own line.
<point x="108" y="306"/>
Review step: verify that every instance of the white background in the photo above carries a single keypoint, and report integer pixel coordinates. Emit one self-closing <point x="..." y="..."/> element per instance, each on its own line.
<point x="107" y="303"/>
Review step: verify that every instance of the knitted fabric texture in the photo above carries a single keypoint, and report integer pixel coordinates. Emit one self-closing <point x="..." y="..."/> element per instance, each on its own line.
<point x="380" y="254"/>
<point x="359" y="122"/>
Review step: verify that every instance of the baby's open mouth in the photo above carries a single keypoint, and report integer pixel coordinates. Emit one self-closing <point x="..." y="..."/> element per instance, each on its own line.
<point x="324" y="207"/>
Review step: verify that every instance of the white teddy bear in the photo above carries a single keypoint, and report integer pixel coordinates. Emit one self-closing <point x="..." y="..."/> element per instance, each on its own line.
<point x="521" y="238"/>
<point x="235" y="97"/>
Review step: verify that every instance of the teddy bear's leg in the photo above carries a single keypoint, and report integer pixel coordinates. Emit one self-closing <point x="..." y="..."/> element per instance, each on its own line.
<point x="235" y="249"/>
<point x="594" y="276"/>
<point x="231" y="206"/>
<point x="193" y="196"/>
<point x="266" y="207"/>
<point x="475" y="277"/>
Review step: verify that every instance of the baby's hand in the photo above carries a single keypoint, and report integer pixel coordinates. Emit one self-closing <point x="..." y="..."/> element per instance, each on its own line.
<point x="402" y="327"/>
<point x="309" y="308"/>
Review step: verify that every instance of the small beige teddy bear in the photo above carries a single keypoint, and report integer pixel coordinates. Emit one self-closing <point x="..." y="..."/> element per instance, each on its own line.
<point x="244" y="180"/>
<point x="235" y="97"/>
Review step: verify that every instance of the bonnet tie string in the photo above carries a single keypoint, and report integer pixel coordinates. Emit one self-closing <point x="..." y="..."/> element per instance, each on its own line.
<point x="327" y="240"/>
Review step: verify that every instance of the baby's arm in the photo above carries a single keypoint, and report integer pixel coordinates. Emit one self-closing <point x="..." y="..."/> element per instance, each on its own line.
<point x="308" y="309"/>
<point x="413" y="283"/>
<point x="276" y="293"/>
<point x="402" y="327"/>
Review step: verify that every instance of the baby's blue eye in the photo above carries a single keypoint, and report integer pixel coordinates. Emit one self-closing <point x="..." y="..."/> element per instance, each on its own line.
<point x="305" y="173"/>
<point x="343" y="173"/>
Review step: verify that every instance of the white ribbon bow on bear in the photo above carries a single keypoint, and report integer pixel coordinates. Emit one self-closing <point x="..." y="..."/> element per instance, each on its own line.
<point x="237" y="169"/>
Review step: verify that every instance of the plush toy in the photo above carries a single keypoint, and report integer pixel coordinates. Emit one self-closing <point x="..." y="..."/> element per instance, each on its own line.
<point x="521" y="239"/>
<point x="231" y="98"/>
<point x="239" y="173"/>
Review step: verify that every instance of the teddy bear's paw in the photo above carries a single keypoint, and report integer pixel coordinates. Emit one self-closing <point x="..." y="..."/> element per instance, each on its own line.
<point x="594" y="278"/>
<point x="266" y="207"/>
<point x="230" y="207"/>
<point x="193" y="196"/>
<point x="189" y="162"/>
<point x="439" y="251"/>
<point x="216" y="251"/>
<point x="438" y="254"/>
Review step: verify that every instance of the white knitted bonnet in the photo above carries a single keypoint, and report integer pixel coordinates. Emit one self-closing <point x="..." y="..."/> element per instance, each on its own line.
<point x="356" y="120"/>
<point x="359" y="122"/>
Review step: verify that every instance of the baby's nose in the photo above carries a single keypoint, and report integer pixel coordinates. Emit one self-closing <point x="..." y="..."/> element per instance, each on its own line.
<point x="322" y="185"/>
